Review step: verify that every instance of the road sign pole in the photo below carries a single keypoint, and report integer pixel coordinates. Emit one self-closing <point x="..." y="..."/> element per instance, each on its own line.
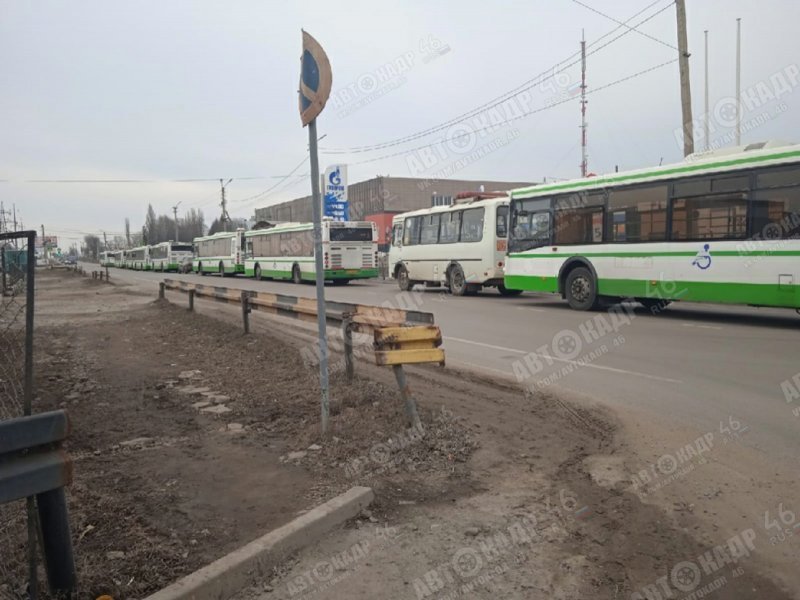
<point x="316" y="211"/>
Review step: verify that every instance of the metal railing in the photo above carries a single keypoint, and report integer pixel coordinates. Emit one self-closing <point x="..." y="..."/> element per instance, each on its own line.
<point x="350" y="317"/>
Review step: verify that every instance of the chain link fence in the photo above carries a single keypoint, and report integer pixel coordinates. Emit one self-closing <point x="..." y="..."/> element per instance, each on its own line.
<point x="17" y="519"/>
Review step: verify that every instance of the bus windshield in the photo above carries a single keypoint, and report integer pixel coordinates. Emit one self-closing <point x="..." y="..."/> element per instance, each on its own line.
<point x="351" y="234"/>
<point x="181" y="247"/>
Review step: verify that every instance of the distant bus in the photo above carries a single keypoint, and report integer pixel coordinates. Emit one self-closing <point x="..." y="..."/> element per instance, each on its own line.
<point x="221" y="253"/>
<point x="111" y="258"/>
<point x="461" y="247"/>
<point x="286" y="251"/>
<point x="138" y="258"/>
<point x="722" y="227"/>
<point x="170" y="256"/>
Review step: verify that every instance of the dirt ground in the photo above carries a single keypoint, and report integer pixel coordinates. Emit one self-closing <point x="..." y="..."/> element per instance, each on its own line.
<point x="498" y="495"/>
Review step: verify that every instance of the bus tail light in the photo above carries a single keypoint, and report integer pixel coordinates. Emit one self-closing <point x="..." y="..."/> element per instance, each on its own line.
<point x="500" y="263"/>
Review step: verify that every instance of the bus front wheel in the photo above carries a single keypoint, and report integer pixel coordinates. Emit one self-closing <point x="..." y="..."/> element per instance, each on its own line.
<point x="403" y="280"/>
<point x="200" y="269"/>
<point x="581" y="289"/>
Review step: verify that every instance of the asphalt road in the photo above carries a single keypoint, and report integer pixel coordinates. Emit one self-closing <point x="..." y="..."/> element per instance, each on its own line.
<point x="697" y="365"/>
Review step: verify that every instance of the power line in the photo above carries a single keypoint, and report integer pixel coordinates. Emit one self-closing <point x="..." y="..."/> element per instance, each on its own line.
<point x="215" y="179"/>
<point x="522" y="116"/>
<point x="647" y="35"/>
<point x="541" y="78"/>
<point x="266" y="192"/>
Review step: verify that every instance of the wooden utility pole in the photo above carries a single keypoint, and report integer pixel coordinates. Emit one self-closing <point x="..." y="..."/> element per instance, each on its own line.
<point x="224" y="204"/>
<point x="584" y="157"/>
<point x="706" y="117"/>
<point x="686" y="90"/>
<point x="175" y="214"/>
<point x="738" y="82"/>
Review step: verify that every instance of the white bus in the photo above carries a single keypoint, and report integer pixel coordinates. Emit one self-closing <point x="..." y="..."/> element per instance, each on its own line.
<point x="286" y="251"/>
<point x="170" y="256"/>
<point x="723" y="227"/>
<point x="138" y="258"/>
<point x="111" y="258"/>
<point x="221" y="253"/>
<point x="461" y="247"/>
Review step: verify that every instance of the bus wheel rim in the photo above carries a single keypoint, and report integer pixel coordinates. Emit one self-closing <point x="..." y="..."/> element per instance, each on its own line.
<point x="580" y="289"/>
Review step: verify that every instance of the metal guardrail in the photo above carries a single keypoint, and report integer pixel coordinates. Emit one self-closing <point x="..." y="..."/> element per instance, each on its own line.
<point x="32" y="464"/>
<point x="417" y="344"/>
<point x="363" y="317"/>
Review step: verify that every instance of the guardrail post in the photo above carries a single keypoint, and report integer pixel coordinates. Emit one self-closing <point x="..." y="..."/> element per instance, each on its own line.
<point x="56" y="540"/>
<point x="161" y="287"/>
<point x="405" y="391"/>
<point x="191" y="300"/>
<point x="246" y="311"/>
<point x="347" y="332"/>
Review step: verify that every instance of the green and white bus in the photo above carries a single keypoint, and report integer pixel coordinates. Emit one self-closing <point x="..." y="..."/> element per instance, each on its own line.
<point x="221" y="253"/>
<point x="138" y="258"/>
<point x="286" y="251"/>
<point x="170" y="256"/>
<point x="724" y="227"/>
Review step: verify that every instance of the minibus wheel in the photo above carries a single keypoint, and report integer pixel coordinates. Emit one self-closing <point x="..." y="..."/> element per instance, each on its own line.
<point x="457" y="281"/>
<point x="403" y="280"/>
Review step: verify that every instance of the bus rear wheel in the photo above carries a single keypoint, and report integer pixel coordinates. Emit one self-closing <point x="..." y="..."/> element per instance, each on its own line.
<point x="457" y="282"/>
<point x="296" y="276"/>
<point x="581" y="289"/>
<point x="504" y="291"/>
<point x="403" y="281"/>
<point x="341" y="281"/>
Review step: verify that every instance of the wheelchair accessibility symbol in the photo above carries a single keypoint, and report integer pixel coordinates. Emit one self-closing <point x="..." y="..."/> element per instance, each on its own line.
<point x="703" y="258"/>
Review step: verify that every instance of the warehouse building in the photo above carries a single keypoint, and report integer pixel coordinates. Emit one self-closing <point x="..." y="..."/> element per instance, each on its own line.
<point x="381" y="198"/>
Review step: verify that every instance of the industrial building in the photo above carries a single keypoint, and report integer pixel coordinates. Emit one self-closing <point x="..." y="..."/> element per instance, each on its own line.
<point x="380" y="198"/>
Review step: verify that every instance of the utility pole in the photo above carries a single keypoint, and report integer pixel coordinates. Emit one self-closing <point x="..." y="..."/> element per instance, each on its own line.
<point x="706" y="117"/>
<point x="224" y="204"/>
<point x="584" y="157"/>
<point x="44" y="244"/>
<point x="738" y="82"/>
<point x="175" y="213"/>
<point x="105" y="241"/>
<point x="14" y="208"/>
<point x="686" y="91"/>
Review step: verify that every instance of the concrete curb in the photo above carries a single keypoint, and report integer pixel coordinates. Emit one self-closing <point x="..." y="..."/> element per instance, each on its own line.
<point x="229" y="574"/>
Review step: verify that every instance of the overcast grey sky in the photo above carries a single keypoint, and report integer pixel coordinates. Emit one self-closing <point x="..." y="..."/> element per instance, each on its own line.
<point x="191" y="89"/>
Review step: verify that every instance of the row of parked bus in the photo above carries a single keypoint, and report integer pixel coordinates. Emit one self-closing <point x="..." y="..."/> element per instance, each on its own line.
<point x="723" y="227"/>
<point x="282" y="251"/>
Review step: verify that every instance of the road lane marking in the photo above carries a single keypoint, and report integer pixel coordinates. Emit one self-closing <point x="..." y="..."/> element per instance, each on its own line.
<point x="573" y="362"/>
<point x="530" y="308"/>
<point x="700" y="326"/>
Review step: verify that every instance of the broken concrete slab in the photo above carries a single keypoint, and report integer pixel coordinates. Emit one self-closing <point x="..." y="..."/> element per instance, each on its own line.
<point x="217" y="409"/>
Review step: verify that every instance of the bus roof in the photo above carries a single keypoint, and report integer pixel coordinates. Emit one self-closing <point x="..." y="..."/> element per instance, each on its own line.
<point x="712" y="163"/>
<point x="285" y="227"/>
<point x="219" y="234"/>
<point x="478" y="201"/>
